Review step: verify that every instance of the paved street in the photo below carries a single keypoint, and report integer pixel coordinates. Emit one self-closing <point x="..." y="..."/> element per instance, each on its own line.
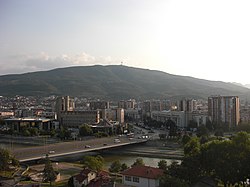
<point x="69" y="147"/>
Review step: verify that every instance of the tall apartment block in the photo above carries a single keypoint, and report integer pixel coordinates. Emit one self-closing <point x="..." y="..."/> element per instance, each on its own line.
<point x="68" y="117"/>
<point x="126" y="104"/>
<point x="187" y="105"/>
<point x="64" y="104"/>
<point x="94" y="105"/>
<point x="224" y="109"/>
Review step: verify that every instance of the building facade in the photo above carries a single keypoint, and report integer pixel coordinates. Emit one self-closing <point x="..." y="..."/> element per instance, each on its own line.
<point x="179" y="117"/>
<point x="95" y="105"/>
<point x="113" y="114"/>
<point x="74" y="119"/>
<point x="142" y="176"/>
<point x="18" y="124"/>
<point x="224" y="110"/>
<point x="129" y="104"/>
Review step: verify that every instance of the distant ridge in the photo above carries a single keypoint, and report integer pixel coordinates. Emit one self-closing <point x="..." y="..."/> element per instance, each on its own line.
<point x="114" y="82"/>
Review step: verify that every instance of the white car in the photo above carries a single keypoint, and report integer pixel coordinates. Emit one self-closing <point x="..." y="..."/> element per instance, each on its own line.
<point x="117" y="140"/>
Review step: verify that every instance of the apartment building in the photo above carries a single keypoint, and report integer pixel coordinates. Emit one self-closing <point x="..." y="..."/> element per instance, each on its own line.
<point x="224" y="110"/>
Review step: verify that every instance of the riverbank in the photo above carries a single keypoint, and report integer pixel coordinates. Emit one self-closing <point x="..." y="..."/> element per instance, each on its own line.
<point x="152" y="149"/>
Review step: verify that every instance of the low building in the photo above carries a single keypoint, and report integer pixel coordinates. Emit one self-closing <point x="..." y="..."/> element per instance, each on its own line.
<point x="91" y="178"/>
<point x="84" y="178"/>
<point x="74" y="119"/>
<point x="142" y="176"/>
<point x="178" y="117"/>
<point x="18" y="124"/>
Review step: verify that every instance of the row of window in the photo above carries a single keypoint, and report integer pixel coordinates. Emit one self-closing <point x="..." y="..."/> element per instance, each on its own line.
<point x="135" y="179"/>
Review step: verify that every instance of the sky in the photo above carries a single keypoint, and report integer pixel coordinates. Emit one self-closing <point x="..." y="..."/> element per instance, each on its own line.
<point x="207" y="39"/>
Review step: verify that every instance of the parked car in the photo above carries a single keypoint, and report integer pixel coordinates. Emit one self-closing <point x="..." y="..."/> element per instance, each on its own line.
<point x="87" y="146"/>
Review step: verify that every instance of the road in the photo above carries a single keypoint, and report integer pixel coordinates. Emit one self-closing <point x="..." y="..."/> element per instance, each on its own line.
<point x="66" y="148"/>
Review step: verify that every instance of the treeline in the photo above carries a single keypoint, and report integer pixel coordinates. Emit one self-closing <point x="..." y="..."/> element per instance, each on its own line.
<point x="225" y="161"/>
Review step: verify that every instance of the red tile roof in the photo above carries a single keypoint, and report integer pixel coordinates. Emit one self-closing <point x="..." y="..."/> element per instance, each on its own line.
<point x="144" y="171"/>
<point x="83" y="175"/>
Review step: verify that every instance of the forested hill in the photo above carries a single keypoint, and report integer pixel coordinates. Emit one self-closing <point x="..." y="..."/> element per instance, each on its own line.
<point x="114" y="82"/>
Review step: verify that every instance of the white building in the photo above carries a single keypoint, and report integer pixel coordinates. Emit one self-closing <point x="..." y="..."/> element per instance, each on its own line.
<point x="142" y="176"/>
<point x="178" y="117"/>
<point x="84" y="178"/>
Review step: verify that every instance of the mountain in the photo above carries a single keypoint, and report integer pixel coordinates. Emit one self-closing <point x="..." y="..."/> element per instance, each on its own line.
<point x="114" y="82"/>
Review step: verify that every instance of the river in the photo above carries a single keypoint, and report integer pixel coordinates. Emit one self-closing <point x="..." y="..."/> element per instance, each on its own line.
<point x="129" y="160"/>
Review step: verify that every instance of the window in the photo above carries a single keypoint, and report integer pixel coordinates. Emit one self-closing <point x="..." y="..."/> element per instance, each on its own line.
<point x="127" y="178"/>
<point x="136" y="179"/>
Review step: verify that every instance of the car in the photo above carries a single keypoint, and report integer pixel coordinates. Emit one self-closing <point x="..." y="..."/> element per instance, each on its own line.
<point x="87" y="146"/>
<point x="105" y="144"/>
<point x="51" y="152"/>
<point x="117" y="140"/>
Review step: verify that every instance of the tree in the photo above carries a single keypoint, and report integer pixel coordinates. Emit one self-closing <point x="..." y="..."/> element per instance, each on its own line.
<point x="192" y="147"/>
<point x="162" y="164"/>
<point x="93" y="162"/>
<point x="33" y="131"/>
<point x="85" y="130"/>
<point x="115" y="166"/>
<point x="202" y="131"/>
<point x="49" y="175"/>
<point x="6" y="160"/>
<point x="219" y="132"/>
<point x="124" y="167"/>
<point x="209" y="125"/>
<point x="203" y="139"/>
<point x="174" y="176"/>
<point x="101" y="134"/>
<point x="138" y="162"/>
<point x="226" y="160"/>
<point x="64" y="133"/>
<point x="243" y="127"/>
<point x="71" y="182"/>
<point x="172" y="127"/>
<point x="171" y="181"/>
<point x="185" y="139"/>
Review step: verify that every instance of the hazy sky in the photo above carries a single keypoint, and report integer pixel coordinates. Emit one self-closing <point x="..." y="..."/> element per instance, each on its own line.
<point x="207" y="39"/>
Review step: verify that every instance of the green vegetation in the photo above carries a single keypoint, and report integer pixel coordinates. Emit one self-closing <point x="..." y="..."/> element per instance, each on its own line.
<point x="121" y="82"/>
<point x="116" y="166"/>
<point x="7" y="160"/>
<point x="101" y="134"/>
<point x="138" y="161"/>
<point x="93" y="162"/>
<point x="226" y="161"/>
<point x="48" y="172"/>
<point x="162" y="164"/>
<point x="85" y="130"/>
<point x="64" y="133"/>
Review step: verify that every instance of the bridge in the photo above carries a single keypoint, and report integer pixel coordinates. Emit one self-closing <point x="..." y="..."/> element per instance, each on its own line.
<point x="71" y="148"/>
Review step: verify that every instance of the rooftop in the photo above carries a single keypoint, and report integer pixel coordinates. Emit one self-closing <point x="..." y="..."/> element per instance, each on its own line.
<point x="144" y="172"/>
